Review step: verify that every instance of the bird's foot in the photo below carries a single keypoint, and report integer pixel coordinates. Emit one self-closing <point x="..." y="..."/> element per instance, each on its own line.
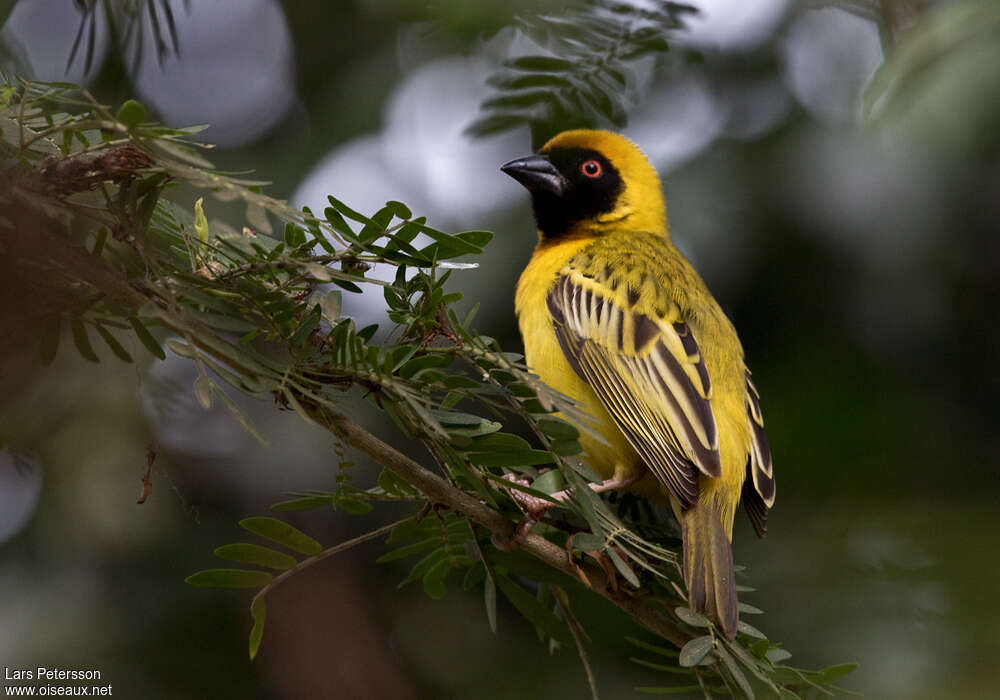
<point x="534" y="508"/>
<point x="617" y="482"/>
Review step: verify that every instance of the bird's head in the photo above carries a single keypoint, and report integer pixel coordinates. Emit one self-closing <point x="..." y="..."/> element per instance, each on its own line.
<point x="588" y="183"/>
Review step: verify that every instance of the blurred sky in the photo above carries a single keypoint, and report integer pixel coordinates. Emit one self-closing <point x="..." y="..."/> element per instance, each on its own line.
<point x="857" y="258"/>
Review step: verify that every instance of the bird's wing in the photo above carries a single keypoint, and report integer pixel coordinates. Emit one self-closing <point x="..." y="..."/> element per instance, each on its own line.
<point x="649" y="374"/>
<point x="758" y="488"/>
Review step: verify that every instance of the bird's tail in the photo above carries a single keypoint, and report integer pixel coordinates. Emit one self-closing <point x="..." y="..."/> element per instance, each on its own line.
<point x="708" y="566"/>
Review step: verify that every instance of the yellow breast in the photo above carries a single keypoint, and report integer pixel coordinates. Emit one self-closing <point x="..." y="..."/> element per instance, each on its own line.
<point x="545" y="358"/>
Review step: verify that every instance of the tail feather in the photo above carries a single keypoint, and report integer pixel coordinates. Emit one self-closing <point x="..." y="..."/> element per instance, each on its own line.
<point x="708" y="567"/>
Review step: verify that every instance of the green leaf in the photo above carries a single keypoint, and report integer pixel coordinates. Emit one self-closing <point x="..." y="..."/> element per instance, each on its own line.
<point x="81" y="340"/>
<point x="347" y="211"/>
<point x="737" y="674"/>
<point x="423" y="566"/>
<point x="477" y="238"/>
<point x="241" y="417"/>
<point x="474" y="575"/>
<point x="229" y="578"/>
<point x="330" y="304"/>
<point x="101" y="238"/>
<point x="748" y="629"/>
<point x="527" y="567"/>
<point x="540" y="63"/>
<point x="367" y="332"/>
<point x="777" y="655"/>
<point x="690" y="617"/>
<point x="549" y="482"/>
<point x="408" y="550"/>
<point x="412" y="367"/>
<point x="758" y="647"/>
<point x="455" y="418"/>
<point x="203" y="391"/>
<point x="747" y="609"/>
<point x="181" y="349"/>
<point x="378" y="224"/>
<point x="536" y="613"/>
<point x="398" y="209"/>
<point x="484" y="428"/>
<point x="354" y="506"/>
<point x="282" y="533"/>
<point x="623" y="568"/>
<point x="499" y="442"/>
<point x="304" y="503"/>
<point x="531" y="80"/>
<point x="587" y="500"/>
<point x="294" y="235"/>
<point x="832" y="673"/>
<point x="146" y="338"/>
<point x="695" y="650"/>
<point x="258" y="219"/>
<point x="338" y="224"/>
<point x="131" y="113"/>
<point x="318" y="272"/>
<point x="588" y="542"/>
<point x="112" y="343"/>
<point x="434" y="579"/>
<point x="566" y="448"/>
<point x="201" y="224"/>
<point x="490" y="600"/>
<point x="558" y="429"/>
<point x="289" y="396"/>
<point x="306" y="327"/>
<point x="446" y="246"/>
<point x="224" y="323"/>
<point x="394" y="486"/>
<point x="258" y="611"/>
<point x="350" y="287"/>
<point x="255" y="554"/>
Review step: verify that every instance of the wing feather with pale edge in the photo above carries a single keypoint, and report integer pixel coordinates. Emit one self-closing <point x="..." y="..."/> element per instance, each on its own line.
<point x="648" y="373"/>
<point x="759" y="487"/>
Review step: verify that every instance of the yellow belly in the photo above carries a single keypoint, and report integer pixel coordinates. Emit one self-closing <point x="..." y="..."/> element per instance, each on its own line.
<point x="611" y="456"/>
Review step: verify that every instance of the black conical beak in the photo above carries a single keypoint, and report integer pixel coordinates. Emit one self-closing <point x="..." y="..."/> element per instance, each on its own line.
<point x="537" y="174"/>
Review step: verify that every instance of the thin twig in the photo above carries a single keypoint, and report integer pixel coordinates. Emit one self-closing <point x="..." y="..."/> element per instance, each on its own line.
<point x="562" y="600"/>
<point x="325" y="554"/>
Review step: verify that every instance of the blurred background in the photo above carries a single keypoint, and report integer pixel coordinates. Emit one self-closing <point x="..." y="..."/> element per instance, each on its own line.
<point x="858" y="257"/>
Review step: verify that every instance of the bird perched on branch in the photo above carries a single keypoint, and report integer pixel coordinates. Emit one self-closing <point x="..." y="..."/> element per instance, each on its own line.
<point x="615" y="317"/>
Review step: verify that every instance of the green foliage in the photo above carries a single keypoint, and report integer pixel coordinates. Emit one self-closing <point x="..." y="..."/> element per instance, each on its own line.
<point x="583" y="74"/>
<point x="258" y="315"/>
<point x="936" y="75"/>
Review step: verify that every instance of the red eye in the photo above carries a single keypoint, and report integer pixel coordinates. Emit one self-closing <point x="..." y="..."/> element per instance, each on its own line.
<point x="591" y="169"/>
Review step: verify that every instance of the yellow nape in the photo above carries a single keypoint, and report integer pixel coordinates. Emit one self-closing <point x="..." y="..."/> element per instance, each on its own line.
<point x="640" y="206"/>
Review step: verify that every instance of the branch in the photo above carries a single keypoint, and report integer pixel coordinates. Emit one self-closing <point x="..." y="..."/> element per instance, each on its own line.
<point x="80" y="264"/>
<point x="441" y="492"/>
<point x="326" y="554"/>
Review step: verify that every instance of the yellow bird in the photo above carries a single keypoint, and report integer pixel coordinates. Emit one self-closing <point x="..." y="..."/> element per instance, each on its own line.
<point x="615" y="317"/>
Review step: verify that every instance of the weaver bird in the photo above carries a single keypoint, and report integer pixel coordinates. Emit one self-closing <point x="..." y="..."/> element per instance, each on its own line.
<point x="615" y="317"/>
